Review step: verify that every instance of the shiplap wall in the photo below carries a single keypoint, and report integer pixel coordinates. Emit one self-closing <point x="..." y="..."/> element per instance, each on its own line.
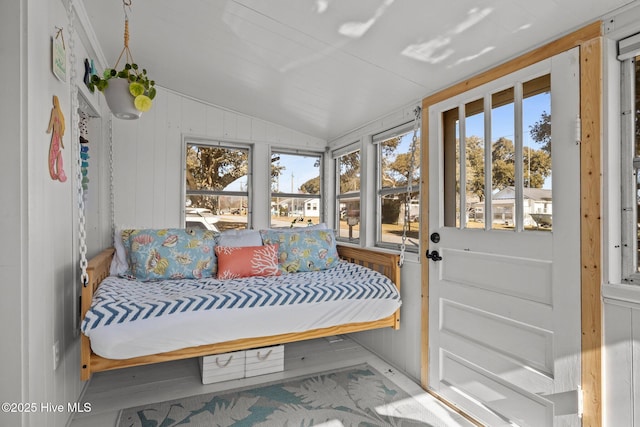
<point x="400" y="347"/>
<point x="148" y="157"/>
<point x="12" y="212"/>
<point x="622" y="355"/>
<point x="42" y="290"/>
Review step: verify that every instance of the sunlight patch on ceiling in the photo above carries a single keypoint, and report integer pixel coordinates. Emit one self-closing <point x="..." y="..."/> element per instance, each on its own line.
<point x="472" y="57"/>
<point x="428" y="51"/>
<point x="475" y="15"/>
<point x="321" y="6"/>
<point x="522" y="28"/>
<point x="358" y="29"/>
<point x="433" y="51"/>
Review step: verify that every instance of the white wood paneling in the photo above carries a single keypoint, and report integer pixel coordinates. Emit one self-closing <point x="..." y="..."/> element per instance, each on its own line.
<point x="148" y="156"/>
<point x="622" y="355"/>
<point x="401" y="347"/>
<point x="528" y="345"/>
<point x="508" y="282"/>
<point x="471" y="382"/>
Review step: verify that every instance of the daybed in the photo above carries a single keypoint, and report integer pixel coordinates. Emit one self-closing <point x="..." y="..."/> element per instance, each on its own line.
<point x="232" y="314"/>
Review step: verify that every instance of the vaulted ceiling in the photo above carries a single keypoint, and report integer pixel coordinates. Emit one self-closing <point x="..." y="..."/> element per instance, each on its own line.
<point x="325" y="67"/>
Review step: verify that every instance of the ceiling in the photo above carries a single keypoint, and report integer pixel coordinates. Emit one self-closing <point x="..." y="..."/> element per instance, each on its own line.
<point x="326" y="67"/>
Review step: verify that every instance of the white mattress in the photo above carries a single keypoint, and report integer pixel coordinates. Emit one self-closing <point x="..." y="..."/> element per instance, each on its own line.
<point x="364" y="295"/>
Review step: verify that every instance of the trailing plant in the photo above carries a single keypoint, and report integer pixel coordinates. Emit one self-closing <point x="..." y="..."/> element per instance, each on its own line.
<point x="141" y="88"/>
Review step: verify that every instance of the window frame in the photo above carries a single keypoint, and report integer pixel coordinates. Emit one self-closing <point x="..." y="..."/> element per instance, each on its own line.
<point x="320" y="196"/>
<point x="187" y="141"/>
<point x="629" y="172"/>
<point x="336" y="156"/>
<point x="380" y="191"/>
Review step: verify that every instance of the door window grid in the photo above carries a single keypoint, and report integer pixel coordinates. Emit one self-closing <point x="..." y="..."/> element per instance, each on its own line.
<point x="516" y="165"/>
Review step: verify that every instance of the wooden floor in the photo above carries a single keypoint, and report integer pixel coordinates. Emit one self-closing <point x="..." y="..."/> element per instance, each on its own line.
<point x="109" y="392"/>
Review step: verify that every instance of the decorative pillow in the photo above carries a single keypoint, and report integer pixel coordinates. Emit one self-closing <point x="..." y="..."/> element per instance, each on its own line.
<point x="238" y="238"/>
<point x="170" y="253"/>
<point x="246" y="261"/>
<point x="306" y="250"/>
<point x="120" y="261"/>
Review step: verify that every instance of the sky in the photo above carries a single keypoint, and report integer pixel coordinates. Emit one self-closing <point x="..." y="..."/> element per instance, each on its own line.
<point x="299" y="169"/>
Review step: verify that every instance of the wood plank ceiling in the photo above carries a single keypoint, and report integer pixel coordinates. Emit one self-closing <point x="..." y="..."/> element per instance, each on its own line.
<point x="325" y="67"/>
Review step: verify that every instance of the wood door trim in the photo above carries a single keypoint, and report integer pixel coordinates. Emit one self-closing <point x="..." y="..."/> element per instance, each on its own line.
<point x="589" y="39"/>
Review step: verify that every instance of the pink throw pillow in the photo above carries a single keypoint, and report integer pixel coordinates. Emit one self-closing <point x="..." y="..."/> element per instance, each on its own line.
<point x="247" y="261"/>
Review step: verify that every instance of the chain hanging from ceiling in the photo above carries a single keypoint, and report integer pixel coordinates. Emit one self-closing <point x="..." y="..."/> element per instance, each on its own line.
<point x="407" y="202"/>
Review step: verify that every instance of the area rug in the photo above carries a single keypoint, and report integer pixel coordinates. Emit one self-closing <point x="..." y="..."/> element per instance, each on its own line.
<point x="357" y="396"/>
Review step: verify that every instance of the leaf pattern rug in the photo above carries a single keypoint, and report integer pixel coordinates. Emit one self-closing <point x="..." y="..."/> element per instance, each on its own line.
<point x="358" y="396"/>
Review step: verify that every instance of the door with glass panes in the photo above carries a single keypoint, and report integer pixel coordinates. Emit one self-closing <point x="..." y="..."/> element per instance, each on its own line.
<point x="504" y="249"/>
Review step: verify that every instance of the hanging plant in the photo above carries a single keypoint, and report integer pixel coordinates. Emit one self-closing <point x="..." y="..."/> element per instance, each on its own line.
<point x="141" y="88"/>
<point x="129" y="91"/>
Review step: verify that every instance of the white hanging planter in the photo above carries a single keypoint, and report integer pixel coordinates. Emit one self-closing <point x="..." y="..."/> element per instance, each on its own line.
<point x="120" y="101"/>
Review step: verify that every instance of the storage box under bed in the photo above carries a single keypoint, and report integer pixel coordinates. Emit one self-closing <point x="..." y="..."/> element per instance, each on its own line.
<point x="242" y="364"/>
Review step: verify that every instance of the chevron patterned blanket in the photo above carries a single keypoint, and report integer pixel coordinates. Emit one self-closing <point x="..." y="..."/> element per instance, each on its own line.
<point x="120" y="300"/>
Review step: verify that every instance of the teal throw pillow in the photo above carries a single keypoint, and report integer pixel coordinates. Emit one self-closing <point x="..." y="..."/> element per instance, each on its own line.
<point x="304" y="250"/>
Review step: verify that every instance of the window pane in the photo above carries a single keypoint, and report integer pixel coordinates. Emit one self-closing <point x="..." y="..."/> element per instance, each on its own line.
<point x="395" y="160"/>
<point x="474" y="166"/>
<point x="231" y="212"/>
<point x="503" y="158"/>
<point x="294" y="211"/>
<point x="217" y="194"/>
<point x="295" y="189"/>
<point x="451" y="148"/>
<point x="348" y="167"/>
<point x="536" y="154"/>
<point x="295" y="174"/>
<point x="216" y="168"/>
<point x="398" y="165"/>
<point x="349" y="217"/>
<point x="393" y="208"/>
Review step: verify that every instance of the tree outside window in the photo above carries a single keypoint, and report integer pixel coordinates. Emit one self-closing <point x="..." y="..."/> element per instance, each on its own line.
<point x="217" y="195"/>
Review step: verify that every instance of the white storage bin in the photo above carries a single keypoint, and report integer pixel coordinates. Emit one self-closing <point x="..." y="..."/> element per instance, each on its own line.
<point x="264" y="360"/>
<point x="222" y="367"/>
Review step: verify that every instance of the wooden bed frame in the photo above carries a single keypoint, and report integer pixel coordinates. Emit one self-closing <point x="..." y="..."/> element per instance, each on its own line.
<point x="98" y="269"/>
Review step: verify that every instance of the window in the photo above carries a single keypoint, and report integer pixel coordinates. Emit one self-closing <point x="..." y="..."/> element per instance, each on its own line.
<point x="395" y="211"/>
<point x="630" y="159"/>
<point x="506" y="184"/>
<point x="217" y="180"/>
<point x="296" y="184"/>
<point x="348" y="194"/>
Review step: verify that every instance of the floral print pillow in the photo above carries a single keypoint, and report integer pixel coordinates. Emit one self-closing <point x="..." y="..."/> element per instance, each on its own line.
<point x="246" y="261"/>
<point x="306" y="250"/>
<point x="170" y="253"/>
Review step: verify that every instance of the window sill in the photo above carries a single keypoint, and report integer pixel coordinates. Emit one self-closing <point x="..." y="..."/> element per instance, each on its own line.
<point x="620" y="293"/>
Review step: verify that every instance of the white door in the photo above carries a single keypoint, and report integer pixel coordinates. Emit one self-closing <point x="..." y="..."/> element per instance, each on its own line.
<point x="504" y="290"/>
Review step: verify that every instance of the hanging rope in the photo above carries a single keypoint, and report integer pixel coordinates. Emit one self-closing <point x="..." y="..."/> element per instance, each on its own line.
<point x="407" y="201"/>
<point x="125" y="49"/>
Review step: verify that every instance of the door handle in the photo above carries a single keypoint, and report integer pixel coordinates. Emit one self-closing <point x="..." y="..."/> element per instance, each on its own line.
<point x="433" y="255"/>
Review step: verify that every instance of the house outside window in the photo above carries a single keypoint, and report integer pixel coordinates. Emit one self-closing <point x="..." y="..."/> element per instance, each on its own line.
<point x="347" y="162"/>
<point x="296" y="189"/>
<point x="217" y="177"/>
<point x="398" y="211"/>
